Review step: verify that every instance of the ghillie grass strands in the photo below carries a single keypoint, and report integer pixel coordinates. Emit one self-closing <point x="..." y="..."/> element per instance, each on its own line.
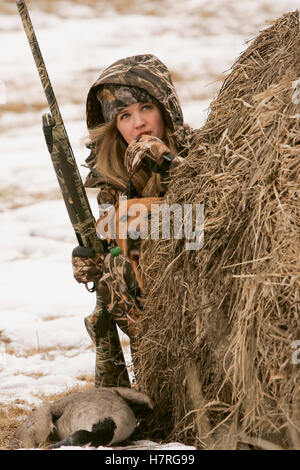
<point x="216" y="355"/>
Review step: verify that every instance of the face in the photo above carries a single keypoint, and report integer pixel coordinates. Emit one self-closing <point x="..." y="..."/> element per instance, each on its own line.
<point x="138" y="119"/>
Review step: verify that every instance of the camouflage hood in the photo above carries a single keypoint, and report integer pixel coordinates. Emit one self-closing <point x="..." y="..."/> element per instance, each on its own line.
<point x="149" y="73"/>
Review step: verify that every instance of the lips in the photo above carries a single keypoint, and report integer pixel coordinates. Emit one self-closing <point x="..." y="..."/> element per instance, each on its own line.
<point x="145" y="133"/>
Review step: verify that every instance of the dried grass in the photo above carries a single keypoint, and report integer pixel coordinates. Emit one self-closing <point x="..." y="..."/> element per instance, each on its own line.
<point x="53" y="6"/>
<point x="9" y="420"/>
<point x="216" y="354"/>
<point x="12" y="196"/>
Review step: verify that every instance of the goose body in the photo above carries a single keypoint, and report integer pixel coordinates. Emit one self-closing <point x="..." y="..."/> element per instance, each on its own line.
<point x="102" y="416"/>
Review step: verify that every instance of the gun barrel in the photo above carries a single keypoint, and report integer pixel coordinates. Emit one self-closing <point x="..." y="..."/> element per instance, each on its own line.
<point x="61" y="152"/>
<point x="68" y="177"/>
<point x="39" y="61"/>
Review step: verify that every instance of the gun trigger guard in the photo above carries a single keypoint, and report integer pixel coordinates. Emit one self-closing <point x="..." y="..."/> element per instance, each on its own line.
<point x="91" y="288"/>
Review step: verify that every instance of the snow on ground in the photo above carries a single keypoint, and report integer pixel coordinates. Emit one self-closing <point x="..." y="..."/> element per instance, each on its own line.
<point x="44" y="347"/>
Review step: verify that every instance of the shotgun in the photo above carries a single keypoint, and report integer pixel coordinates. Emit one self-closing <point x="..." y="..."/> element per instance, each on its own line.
<point x="70" y="182"/>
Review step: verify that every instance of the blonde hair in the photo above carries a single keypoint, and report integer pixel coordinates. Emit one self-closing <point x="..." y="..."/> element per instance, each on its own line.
<point x="110" y="150"/>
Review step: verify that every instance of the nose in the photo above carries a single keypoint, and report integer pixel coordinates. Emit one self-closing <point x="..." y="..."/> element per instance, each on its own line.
<point x="139" y="120"/>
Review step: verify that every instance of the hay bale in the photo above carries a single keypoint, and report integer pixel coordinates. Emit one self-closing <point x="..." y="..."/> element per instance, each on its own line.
<point x="220" y="322"/>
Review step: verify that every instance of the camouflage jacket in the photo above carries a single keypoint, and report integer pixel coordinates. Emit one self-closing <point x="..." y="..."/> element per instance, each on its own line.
<point x="146" y="71"/>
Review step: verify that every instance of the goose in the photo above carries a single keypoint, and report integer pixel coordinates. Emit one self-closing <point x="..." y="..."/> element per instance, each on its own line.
<point x="101" y="416"/>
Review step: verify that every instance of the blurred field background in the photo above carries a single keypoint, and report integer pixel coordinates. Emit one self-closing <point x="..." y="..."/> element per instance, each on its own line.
<point x="44" y="348"/>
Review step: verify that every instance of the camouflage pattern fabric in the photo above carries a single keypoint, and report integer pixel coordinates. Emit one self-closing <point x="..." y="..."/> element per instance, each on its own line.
<point x="87" y="269"/>
<point x="118" y="284"/>
<point x="147" y="72"/>
<point x="110" y="368"/>
<point x="121" y="297"/>
<point x="144" y="146"/>
<point x="120" y="293"/>
<point x="114" y="98"/>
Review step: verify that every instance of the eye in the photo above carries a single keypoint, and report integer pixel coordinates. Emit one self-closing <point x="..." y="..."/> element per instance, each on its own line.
<point x="146" y="106"/>
<point x="123" y="116"/>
